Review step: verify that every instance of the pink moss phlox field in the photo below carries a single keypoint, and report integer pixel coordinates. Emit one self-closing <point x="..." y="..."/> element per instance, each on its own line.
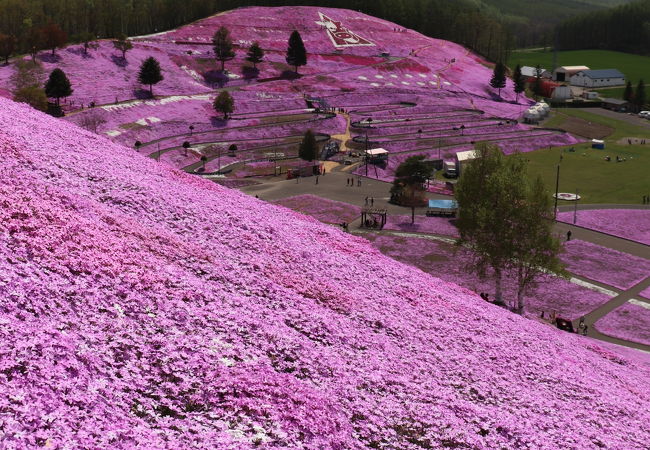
<point x="442" y="260"/>
<point x="322" y="209"/>
<point x="423" y="224"/>
<point x="631" y="322"/>
<point x="631" y="224"/>
<point x="645" y="293"/>
<point x="605" y="265"/>
<point x="144" y="307"/>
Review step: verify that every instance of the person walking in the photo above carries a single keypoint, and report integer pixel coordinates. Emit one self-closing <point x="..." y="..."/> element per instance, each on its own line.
<point x="372" y="201"/>
<point x="568" y="235"/>
<point x="366" y="201"/>
<point x="316" y="179"/>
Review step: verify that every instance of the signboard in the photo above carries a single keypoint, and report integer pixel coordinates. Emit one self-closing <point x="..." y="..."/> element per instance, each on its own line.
<point x="339" y="35"/>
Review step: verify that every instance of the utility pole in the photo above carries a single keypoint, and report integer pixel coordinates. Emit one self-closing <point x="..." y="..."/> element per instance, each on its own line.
<point x="557" y="187"/>
<point x="575" y="209"/>
<point x="366" y="153"/>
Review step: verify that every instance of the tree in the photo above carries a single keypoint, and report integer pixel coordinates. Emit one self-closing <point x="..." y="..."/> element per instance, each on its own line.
<point x="222" y="45"/>
<point x="296" y="53"/>
<point x="34" y="41"/>
<point x="639" y="95"/>
<point x="498" y="80"/>
<point x="7" y="46"/>
<point x="505" y="220"/>
<point x="409" y="184"/>
<point x="538" y="86"/>
<point x="628" y="94"/>
<point x="53" y="36"/>
<point x="224" y="103"/>
<point x="123" y="44"/>
<point x="150" y="73"/>
<point x="308" y="149"/>
<point x="92" y="121"/>
<point x="255" y="54"/>
<point x="33" y="96"/>
<point x="58" y="86"/>
<point x="536" y="249"/>
<point x="88" y="41"/>
<point x="519" y="81"/>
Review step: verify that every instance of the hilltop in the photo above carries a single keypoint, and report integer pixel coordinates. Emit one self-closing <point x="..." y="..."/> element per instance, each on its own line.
<point x="364" y="77"/>
<point x="141" y="306"/>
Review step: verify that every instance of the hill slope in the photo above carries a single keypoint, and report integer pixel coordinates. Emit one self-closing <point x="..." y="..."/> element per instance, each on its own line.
<point x="141" y="306"/>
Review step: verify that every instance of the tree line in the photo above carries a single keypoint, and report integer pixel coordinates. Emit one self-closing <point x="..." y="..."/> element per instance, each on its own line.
<point x="26" y="24"/>
<point x="625" y="28"/>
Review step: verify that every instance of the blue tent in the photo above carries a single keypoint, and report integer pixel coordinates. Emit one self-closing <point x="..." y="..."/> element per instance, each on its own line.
<point x="443" y="204"/>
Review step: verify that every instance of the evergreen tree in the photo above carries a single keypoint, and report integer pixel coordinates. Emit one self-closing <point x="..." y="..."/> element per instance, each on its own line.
<point x="53" y="36"/>
<point x="224" y="103"/>
<point x="409" y="185"/>
<point x="7" y="46"/>
<point x="628" y="94"/>
<point x="255" y="54"/>
<point x="58" y="86"/>
<point x="296" y="53"/>
<point x="498" y="80"/>
<point x="505" y="221"/>
<point x="639" y="95"/>
<point x="308" y="147"/>
<point x="123" y="44"/>
<point x="519" y="81"/>
<point x="222" y="45"/>
<point x="150" y="73"/>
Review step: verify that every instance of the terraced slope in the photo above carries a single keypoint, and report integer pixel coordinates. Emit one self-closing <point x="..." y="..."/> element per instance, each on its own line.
<point x="140" y="306"/>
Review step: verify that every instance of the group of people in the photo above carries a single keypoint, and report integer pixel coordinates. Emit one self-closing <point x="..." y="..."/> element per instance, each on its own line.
<point x="370" y="201"/>
<point x="350" y="182"/>
<point x="636" y="141"/>
<point x="646" y="199"/>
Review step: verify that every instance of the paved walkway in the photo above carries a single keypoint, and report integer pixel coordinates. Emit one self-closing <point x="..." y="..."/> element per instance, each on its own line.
<point x="333" y="186"/>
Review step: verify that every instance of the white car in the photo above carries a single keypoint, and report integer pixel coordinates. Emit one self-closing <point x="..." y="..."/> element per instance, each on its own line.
<point x="645" y="114"/>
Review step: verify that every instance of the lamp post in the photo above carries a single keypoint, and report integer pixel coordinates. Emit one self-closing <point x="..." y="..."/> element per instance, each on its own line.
<point x="557" y="188"/>
<point x="575" y="209"/>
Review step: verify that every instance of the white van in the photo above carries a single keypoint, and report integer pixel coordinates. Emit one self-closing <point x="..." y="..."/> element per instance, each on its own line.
<point x="645" y="114"/>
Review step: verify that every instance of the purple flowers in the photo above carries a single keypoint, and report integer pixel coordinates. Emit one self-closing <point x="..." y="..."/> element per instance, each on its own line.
<point x="324" y="210"/>
<point x="631" y="224"/>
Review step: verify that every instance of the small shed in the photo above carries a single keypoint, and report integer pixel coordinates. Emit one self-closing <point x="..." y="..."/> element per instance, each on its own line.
<point x="561" y="93"/>
<point x="531" y="72"/>
<point x="616" y="104"/>
<point x="463" y="158"/>
<point x="377" y="155"/>
<point x="564" y="73"/>
<point x="598" y="78"/>
<point x="597" y="143"/>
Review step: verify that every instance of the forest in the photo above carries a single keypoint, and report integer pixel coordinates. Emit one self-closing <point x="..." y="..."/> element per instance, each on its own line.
<point x="625" y="28"/>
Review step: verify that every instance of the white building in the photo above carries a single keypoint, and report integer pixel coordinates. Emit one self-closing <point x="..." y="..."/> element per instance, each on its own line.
<point x="564" y="73"/>
<point x="562" y="93"/>
<point x="598" y="78"/>
<point x="531" y="72"/>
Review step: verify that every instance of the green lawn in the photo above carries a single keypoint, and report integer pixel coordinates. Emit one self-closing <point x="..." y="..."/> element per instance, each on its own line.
<point x="634" y="67"/>
<point x="586" y="170"/>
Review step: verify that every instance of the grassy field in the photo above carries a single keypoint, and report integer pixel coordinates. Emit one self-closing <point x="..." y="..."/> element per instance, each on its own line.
<point x="634" y="67"/>
<point x="585" y="169"/>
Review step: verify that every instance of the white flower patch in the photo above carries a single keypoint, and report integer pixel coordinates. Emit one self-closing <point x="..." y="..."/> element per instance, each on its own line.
<point x="113" y="133"/>
<point x="423" y="75"/>
<point x="374" y="84"/>
<point x="433" y="83"/>
<point x="420" y="83"/>
<point x="446" y="83"/>
<point x="362" y="78"/>
<point x="153" y="119"/>
<point x="636" y="302"/>
<point x="392" y="75"/>
<point x="593" y="287"/>
<point x="406" y="83"/>
<point x="193" y="73"/>
<point x="142" y="122"/>
<point x="408" y="75"/>
<point x="390" y="84"/>
<point x="379" y="77"/>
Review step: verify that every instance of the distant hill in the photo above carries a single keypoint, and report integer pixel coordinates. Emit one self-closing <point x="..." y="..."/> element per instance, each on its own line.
<point x="625" y="28"/>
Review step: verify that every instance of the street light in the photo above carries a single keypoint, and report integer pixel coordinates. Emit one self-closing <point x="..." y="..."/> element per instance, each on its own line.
<point x="557" y="188"/>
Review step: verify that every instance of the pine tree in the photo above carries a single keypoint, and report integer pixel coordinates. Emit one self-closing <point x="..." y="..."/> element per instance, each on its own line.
<point x="639" y="95"/>
<point x="296" y="53"/>
<point x="308" y="147"/>
<point x="224" y="103"/>
<point x="222" y="45"/>
<point x="150" y="73"/>
<point x="628" y="94"/>
<point x="409" y="185"/>
<point x="498" y="80"/>
<point x="58" y="86"/>
<point x="123" y="44"/>
<point x="7" y="46"/>
<point x="519" y="81"/>
<point x="255" y="54"/>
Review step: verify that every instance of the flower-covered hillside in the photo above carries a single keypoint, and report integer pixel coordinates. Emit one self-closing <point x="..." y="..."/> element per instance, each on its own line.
<point x="140" y="306"/>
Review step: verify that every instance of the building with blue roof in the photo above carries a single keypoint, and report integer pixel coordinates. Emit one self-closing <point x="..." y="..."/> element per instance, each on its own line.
<point x="598" y="78"/>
